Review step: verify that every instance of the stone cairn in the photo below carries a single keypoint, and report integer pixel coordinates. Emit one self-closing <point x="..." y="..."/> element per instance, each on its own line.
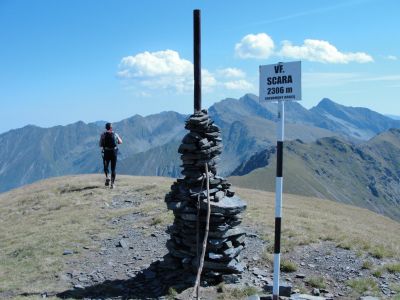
<point x="225" y="239"/>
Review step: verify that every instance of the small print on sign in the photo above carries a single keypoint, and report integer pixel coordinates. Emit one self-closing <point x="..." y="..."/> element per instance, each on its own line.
<point x="280" y="82"/>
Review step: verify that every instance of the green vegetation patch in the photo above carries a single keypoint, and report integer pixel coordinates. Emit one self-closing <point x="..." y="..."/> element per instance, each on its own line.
<point x="288" y="266"/>
<point x="377" y="273"/>
<point x="393" y="268"/>
<point x="156" y="221"/>
<point x="380" y="251"/>
<point x="172" y="293"/>
<point x="363" y="285"/>
<point x="316" y="282"/>
<point x="367" y="265"/>
<point x="239" y="293"/>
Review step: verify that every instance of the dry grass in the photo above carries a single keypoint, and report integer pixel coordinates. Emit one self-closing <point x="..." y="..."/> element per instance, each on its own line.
<point x="316" y="282"/>
<point x="237" y="293"/>
<point x="307" y="220"/>
<point x="44" y="219"/>
<point x="367" y="265"/>
<point x="288" y="266"/>
<point x="363" y="285"/>
<point x="393" y="268"/>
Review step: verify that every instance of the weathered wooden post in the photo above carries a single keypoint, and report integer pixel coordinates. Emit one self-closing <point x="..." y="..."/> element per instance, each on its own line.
<point x="197" y="59"/>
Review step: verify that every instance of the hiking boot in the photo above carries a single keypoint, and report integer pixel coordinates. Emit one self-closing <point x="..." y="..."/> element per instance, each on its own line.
<point x="107" y="183"/>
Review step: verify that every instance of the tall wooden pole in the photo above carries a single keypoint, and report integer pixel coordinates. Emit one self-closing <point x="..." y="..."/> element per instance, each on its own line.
<point x="197" y="59"/>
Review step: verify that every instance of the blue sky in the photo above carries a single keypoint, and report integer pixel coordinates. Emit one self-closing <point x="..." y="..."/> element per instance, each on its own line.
<point x="69" y="60"/>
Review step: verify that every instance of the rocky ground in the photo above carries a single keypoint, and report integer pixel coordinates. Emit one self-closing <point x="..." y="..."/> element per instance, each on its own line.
<point x="125" y="266"/>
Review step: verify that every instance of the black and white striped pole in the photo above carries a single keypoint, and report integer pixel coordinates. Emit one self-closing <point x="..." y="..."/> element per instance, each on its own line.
<point x="279" y="83"/>
<point x="280" y="134"/>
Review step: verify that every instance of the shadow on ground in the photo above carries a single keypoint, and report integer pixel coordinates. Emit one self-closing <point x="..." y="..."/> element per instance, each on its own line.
<point x="152" y="282"/>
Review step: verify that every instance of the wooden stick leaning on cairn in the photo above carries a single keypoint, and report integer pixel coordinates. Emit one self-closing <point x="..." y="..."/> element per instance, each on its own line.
<point x="196" y="288"/>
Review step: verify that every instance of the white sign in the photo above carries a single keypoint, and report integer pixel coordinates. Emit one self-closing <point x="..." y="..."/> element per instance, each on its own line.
<point x="280" y="82"/>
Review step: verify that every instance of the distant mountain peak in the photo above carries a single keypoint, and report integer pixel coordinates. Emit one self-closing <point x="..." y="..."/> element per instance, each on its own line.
<point x="326" y="103"/>
<point x="250" y="96"/>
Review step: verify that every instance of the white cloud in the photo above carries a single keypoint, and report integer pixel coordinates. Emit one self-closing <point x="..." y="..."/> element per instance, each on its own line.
<point x="262" y="46"/>
<point x="207" y="79"/>
<point x="166" y="70"/>
<point x="151" y="64"/>
<point x="162" y="70"/>
<point x="240" y="84"/>
<point x="255" y="46"/>
<point x="391" y="57"/>
<point x="124" y="74"/>
<point x="321" y="51"/>
<point x="231" y="73"/>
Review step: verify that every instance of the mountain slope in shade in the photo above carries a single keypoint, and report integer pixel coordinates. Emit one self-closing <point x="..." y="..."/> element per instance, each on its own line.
<point x="32" y="153"/>
<point x="358" y="122"/>
<point x="366" y="175"/>
<point x="246" y="126"/>
<point x="159" y="161"/>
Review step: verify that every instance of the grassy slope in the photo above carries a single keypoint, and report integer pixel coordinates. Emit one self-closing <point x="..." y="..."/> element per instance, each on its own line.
<point x="297" y="179"/>
<point x="45" y="218"/>
<point x="48" y="217"/>
<point x="331" y="169"/>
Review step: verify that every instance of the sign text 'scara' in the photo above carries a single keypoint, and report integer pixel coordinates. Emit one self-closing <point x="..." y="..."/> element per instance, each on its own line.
<point x="280" y="81"/>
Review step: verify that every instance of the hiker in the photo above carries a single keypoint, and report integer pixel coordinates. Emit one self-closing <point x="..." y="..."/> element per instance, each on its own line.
<point x="109" y="141"/>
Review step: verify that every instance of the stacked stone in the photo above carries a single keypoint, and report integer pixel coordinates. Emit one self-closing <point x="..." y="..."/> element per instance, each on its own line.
<point x="225" y="239"/>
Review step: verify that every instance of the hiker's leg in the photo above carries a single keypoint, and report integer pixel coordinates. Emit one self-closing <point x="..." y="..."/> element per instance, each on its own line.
<point x="106" y="162"/>
<point x="113" y="166"/>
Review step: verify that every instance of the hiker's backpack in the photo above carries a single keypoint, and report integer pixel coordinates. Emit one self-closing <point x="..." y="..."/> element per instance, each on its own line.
<point x="109" y="140"/>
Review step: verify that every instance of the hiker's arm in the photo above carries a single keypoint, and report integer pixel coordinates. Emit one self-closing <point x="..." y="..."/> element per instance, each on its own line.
<point x="119" y="139"/>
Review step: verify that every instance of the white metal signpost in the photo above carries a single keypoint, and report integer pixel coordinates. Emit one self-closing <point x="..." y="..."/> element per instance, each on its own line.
<point x="279" y="83"/>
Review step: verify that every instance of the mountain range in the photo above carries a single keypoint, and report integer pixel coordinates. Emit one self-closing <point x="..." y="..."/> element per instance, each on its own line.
<point x="150" y="144"/>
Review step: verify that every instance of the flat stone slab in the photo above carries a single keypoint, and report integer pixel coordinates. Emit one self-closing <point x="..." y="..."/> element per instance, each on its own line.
<point x="285" y="289"/>
<point x="217" y="243"/>
<point x="226" y="206"/>
<point x="228" y="233"/>
<point x="198" y="118"/>
<point x="232" y="267"/>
